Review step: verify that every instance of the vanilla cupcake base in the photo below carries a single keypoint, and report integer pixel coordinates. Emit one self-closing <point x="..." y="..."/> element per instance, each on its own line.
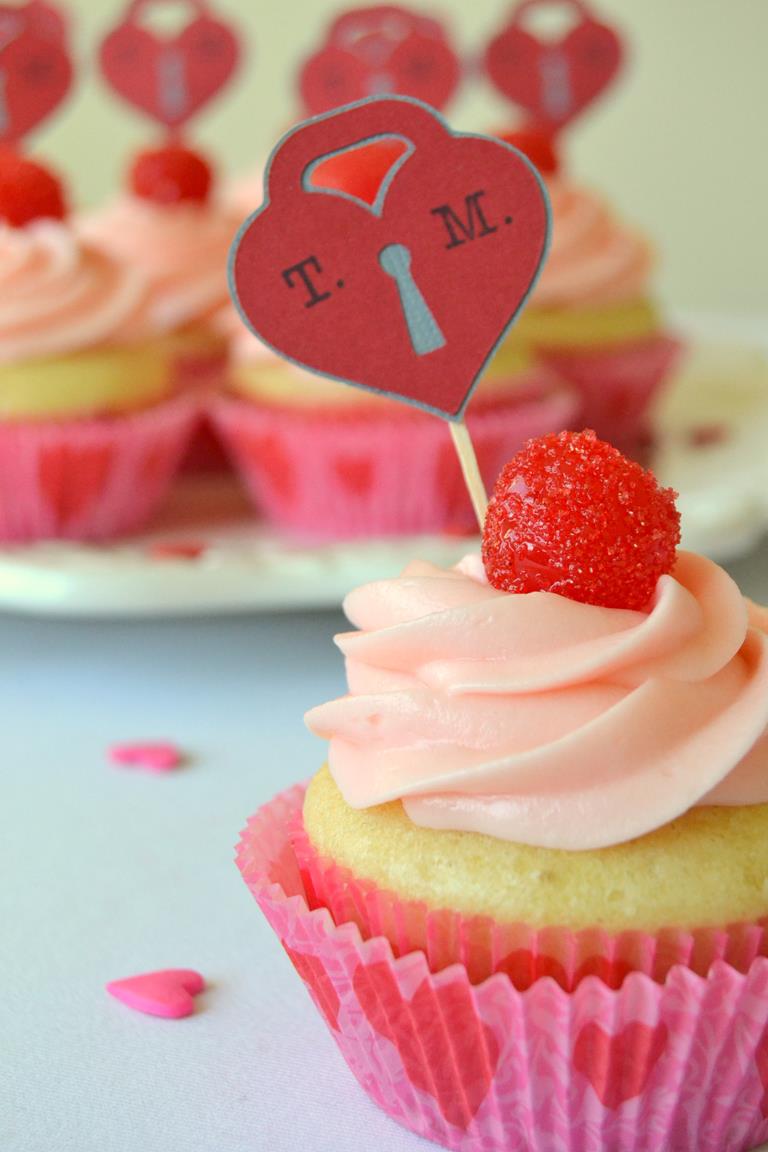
<point x="709" y="868"/>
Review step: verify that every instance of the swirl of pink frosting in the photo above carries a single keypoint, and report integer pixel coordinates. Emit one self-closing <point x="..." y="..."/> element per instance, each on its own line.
<point x="59" y="294"/>
<point x="544" y="721"/>
<point x="594" y="259"/>
<point x="181" y="250"/>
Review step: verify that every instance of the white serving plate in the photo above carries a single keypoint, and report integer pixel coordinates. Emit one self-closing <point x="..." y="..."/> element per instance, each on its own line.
<point x="713" y="449"/>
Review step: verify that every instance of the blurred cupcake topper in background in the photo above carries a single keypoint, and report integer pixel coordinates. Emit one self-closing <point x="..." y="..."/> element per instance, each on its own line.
<point x="169" y="74"/>
<point x="553" y="77"/>
<point x="406" y="292"/>
<point x="378" y="51"/>
<point x="35" y="67"/>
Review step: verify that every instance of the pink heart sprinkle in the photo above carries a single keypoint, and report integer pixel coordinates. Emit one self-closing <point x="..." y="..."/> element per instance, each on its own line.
<point x="176" y="550"/>
<point x="169" y="992"/>
<point x="157" y="757"/>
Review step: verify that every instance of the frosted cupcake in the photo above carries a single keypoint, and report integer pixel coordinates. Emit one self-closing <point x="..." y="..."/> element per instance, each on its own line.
<point x="91" y="431"/>
<point x="170" y="226"/>
<point x="325" y="461"/>
<point x="592" y="316"/>
<point x="529" y="898"/>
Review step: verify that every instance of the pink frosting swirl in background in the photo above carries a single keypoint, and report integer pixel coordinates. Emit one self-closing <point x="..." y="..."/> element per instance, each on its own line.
<point x="545" y="721"/>
<point x="594" y="259"/>
<point x="181" y="250"/>
<point x="58" y="294"/>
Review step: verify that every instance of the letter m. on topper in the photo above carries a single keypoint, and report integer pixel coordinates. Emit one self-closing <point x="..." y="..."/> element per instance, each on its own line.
<point x="408" y="295"/>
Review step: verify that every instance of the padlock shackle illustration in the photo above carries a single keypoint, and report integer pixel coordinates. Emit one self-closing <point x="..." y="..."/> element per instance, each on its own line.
<point x="579" y="7"/>
<point x="359" y="23"/>
<point x="347" y="128"/>
<point x="136" y="8"/>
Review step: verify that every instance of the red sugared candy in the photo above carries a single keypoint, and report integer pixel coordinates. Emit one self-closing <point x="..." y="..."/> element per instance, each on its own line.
<point x="28" y="191"/>
<point x="538" y="146"/>
<point x="570" y="514"/>
<point x="171" y="175"/>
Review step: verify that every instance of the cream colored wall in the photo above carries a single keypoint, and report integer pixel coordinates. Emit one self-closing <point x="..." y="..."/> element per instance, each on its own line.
<point x="681" y="146"/>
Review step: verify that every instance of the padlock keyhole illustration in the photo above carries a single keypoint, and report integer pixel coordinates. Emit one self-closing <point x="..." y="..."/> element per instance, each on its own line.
<point x="423" y="329"/>
<point x="4" y="117"/>
<point x="166" y="18"/>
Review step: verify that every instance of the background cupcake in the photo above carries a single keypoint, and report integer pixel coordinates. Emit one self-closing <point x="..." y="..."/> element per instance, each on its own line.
<point x="323" y="460"/>
<point x="170" y="226"/>
<point x="592" y="317"/>
<point x="91" y="429"/>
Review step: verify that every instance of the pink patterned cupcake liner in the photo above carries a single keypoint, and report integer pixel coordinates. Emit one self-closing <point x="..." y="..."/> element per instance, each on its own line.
<point x="678" y="1066"/>
<point x="201" y="369"/>
<point x="523" y="953"/>
<point x="618" y="386"/>
<point x="203" y="372"/>
<point x="324" y="475"/>
<point x="90" y="479"/>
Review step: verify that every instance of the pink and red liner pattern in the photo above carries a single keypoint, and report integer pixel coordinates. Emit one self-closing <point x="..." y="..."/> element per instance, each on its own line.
<point x="321" y="474"/>
<point x="617" y="388"/>
<point x="672" y="1066"/>
<point x="90" y="479"/>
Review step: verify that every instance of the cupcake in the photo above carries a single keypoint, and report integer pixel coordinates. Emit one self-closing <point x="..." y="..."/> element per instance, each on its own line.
<point x="91" y="428"/>
<point x="170" y="226"/>
<point x="325" y="461"/>
<point x="592" y="317"/>
<point x="529" y="893"/>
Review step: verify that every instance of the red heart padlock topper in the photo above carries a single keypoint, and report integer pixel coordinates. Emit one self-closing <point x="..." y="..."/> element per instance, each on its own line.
<point x="35" y="68"/>
<point x="376" y="51"/>
<point x="554" y="81"/>
<point x="170" y="78"/>
<point x="408" y="296"/>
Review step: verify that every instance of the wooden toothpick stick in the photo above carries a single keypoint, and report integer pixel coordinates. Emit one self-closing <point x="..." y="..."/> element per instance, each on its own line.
<point x="466" y="452"/>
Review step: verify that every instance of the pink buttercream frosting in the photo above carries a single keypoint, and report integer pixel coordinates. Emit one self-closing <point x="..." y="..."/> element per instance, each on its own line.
<point x="181" y="250"/>
<point x="594" y="258"/>
<point x="544" y="721"/>
<point x="59" y="294"/>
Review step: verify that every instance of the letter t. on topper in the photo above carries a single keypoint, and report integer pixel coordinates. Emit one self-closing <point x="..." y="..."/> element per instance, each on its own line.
<point x="408" y="296"/>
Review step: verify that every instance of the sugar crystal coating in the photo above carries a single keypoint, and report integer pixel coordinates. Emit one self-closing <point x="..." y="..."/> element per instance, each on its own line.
<point x="571" y="515"/>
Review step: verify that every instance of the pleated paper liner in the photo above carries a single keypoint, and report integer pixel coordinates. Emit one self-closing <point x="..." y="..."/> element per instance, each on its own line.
<point x="524" y="953"/>
<point x="673" y="1066"/>
<point x="90" y="478"/>
<point x="618" y="386"/>
<point x="376" y="470"/>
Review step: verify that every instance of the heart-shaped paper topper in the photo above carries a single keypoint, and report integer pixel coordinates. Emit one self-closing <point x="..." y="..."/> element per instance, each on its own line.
<point x="35" y="67"/>
<point x="553" y="80"/>
<point x="379" y="51"/>
<point x="409" y="295"/>
<point x="169" y="77"/>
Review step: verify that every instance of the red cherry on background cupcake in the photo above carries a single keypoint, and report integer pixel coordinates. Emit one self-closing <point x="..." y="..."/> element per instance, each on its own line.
<point x="570" y="514"/>
<point x="538" y="146"/>
<point x="170" y="175"/>
<point x="28" y="191"/>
